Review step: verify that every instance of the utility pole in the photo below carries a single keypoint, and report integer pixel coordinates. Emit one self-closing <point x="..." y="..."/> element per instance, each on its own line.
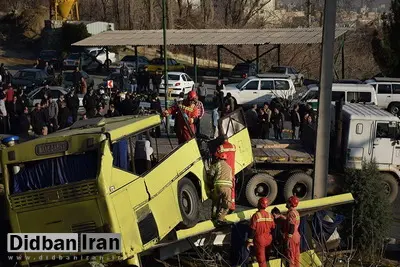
<point x="325" y="96"/>
<point x="308" y="13"/>
<point x="164" y="4"/>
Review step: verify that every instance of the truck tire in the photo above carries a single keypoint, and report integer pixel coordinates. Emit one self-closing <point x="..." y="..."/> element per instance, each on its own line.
<point x="391" y="186"/>
<point x="394" y="108"/>
<point x="261" y="185"/>
<point x="189" y="203"/>
<point x="299" y="184"/>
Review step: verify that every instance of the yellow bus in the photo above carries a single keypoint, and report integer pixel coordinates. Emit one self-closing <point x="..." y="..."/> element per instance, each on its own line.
<point x="100" y="175"/>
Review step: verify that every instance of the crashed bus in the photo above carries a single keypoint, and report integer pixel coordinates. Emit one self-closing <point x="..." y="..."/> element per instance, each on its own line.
<point x="89" y="178"/>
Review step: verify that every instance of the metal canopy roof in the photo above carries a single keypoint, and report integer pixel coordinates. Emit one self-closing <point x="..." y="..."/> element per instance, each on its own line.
<point x="209" y="37"/>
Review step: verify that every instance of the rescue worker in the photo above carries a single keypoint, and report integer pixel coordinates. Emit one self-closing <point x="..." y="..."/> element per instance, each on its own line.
<point x="189" y="113"/>
<point x="261" y="225"/>
<point x="230" y="150"/>
<point x="291" y="231"/>
<point x="220" y="179"/>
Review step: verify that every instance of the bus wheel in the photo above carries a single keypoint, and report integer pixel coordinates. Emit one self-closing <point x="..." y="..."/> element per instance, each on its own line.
<point x="189" y="203"/>
<point x="299" y="184"/>
<point x="391" y="186"/>
<point x="261" y="185"/>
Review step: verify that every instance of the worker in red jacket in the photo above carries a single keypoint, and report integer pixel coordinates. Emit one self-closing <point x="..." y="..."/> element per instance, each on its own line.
<point x="189" y="113"/>
<point x="291" y="231"/>
<point x="230" y="150"/>
<point x="261" y="225"/>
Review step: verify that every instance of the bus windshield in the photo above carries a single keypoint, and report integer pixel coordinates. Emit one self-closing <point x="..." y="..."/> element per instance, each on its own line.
<point x="51" y="172"/>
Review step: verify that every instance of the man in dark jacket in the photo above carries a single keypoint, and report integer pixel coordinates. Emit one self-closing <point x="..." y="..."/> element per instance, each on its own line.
<point x="124" y="72"/>
<point x="24" y="124"/>
<point x="63" y="115"/>
<point x="112" y="112"/>
<point x="37" y="120"/>
<point x="14" y="109"/>
<point x="127" y="106"/>
<point x="73" y="105"/>
<point x="90" y="104"/>
<point x="296" y="121"/>
<point x="156" y="80"/>
<point x="277" y="121"/>
<point x="77" y="79"/>
<point x="146" y="79"/>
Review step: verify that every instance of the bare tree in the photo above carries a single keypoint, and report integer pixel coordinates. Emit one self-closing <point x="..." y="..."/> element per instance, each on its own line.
<point x="207" y="10"/>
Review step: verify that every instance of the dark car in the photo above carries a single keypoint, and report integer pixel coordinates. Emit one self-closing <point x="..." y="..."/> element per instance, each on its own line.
<point x="130" y="61"/>
<point x="241" y="71"/>
<point x="31" y="78"/>
<point x="51" y="56"/>
<point x="67" y="79"/>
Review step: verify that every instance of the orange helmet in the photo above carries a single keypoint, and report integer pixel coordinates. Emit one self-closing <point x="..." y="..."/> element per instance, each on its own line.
<point x="192" y="95"/>
<point x="221" y="155"/>
<point x="263" y="203"/>
<point x="293" y="201"/>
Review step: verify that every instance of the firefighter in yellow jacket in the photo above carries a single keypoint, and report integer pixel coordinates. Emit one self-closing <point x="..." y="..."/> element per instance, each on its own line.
<point x="220" y="179"/>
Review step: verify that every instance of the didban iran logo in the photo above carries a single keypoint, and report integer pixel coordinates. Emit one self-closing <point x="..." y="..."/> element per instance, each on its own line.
<point x="62" y="242"/>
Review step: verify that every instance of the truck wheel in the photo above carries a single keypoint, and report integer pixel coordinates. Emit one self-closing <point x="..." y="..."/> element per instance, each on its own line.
<point x="261" y="185"/>
<point x="299" y="184"/>
<point x="189" y="203"/>
<point x="394" y="108"/>
<point x="391" y="186"/>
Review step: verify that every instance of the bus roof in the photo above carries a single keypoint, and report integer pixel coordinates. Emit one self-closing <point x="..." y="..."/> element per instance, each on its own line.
<point x="75" y="139"/>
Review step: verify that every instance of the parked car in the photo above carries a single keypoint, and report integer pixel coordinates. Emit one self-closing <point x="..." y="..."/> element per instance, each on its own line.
<point x="67" y="79"/>
<point x="130" y="61"/>
<point x="31" y="78"/>
<point x="261" y="88"/>
<point x="36" y="96"/>
<point x="296" y="77"/>
<point x="173" y="65"/>
<point x="388" y="93"/>
<point x="101" y="55"/>
<point x="179" y="82"/>
<point x="89" y="59"/>
<point x="52" y="57"/>
<point x="241" y="71"/>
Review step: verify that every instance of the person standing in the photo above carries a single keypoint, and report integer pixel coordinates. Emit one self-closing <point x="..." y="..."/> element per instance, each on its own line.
<point x="124" y="72"/>
<point x="90" y="104"/>
<point x="220" y="179"/>
<point x="14" y="109"/>
<point x="261" y="226"/>
<point x="252" y="121"/>
<point x="73" y="105"/>
<point x="63" y="116"/>
<point x="230" y="101"/>
<point x="277" y="121"/>
<point x="296" y="122"/>
<point x="3" y="114"/>
<point x="202" y="92"/>
<point x="53" y="114"/>
<point x="291" y="231"/>
<point x="184" y="113"/>
<point x="156" y="80"/>
<point x="77" y="79"/>
<point x="215" y="115"/>
<point x="24" y="124"/>
<point x="200" y="107"/>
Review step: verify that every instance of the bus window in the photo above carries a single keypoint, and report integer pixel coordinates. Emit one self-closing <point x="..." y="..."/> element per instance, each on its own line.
<point x="45" y="173"/>
<point x="359" y="97"/>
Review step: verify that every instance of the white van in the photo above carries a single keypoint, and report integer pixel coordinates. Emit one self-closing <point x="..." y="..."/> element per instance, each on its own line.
<point x="352" y="93"/>
<point x="388" y="93"/>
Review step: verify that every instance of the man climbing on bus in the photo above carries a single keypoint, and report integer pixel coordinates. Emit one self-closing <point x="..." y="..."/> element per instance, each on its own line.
<point x="220" y="180"/>
<point x="185" y="114"/>
<point x="261" y="226"/>
<point x="230" y="151"/>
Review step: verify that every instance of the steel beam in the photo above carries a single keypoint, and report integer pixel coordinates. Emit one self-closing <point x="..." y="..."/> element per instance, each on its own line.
<point x="343" y="70"/>
<point x="195" y="63"/>
<point x="233" y="53"/>
<point x="219" y="60"/>
<point x="258" y="58"/>
<point x="325" y="96"/>
<point x="279" y="54"/>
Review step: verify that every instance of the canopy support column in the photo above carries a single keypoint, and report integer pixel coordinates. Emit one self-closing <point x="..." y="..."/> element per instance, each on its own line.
<point x="219" y="60"/>
<point x="107" y="60"/>
<point x="279" y="54"/>
<point x="137" y="60"/>
<point x="258" y="58"/>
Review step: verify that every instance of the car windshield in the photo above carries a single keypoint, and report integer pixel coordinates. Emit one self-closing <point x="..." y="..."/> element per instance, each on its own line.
<point x="25" y="75"/>
<point x="157" y="61"/>
<point x="74" y="56"/>
<point x="67" y="76"/>
<point x="278" y="70"/>
<point x="241" y="67"/>
<point x="33" y="92"/>
<point x="48" y="53"/>
<point x="128" y="58"/>
<point x="240" y="85"/>
<point x="172" y="77"/>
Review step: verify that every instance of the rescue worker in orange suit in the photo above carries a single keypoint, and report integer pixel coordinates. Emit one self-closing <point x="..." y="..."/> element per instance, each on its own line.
<point x="189" y="113"/>
<point x="261" y="226"/>
<point x="220" y="179"/>
<point x="230" y="150"/>
<point x="291" y="231"/>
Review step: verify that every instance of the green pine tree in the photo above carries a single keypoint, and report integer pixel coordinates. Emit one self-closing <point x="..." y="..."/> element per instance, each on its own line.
<point x="386" y="45"/>
<point x="371" y="211"/>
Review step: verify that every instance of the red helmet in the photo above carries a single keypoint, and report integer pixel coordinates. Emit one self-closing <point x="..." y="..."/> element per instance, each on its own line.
<point x="221" y="155"/>
<point x="263" y="203"/>
<point x="192" y="95"/>
<point x="293" y="201"/>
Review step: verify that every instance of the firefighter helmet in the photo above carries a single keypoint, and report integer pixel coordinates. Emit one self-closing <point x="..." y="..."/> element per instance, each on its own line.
<point x="192" y="95"/>
<point x="221" y="155"/>
<point x="293" y="201"/>
<point x="263" y="203"/>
